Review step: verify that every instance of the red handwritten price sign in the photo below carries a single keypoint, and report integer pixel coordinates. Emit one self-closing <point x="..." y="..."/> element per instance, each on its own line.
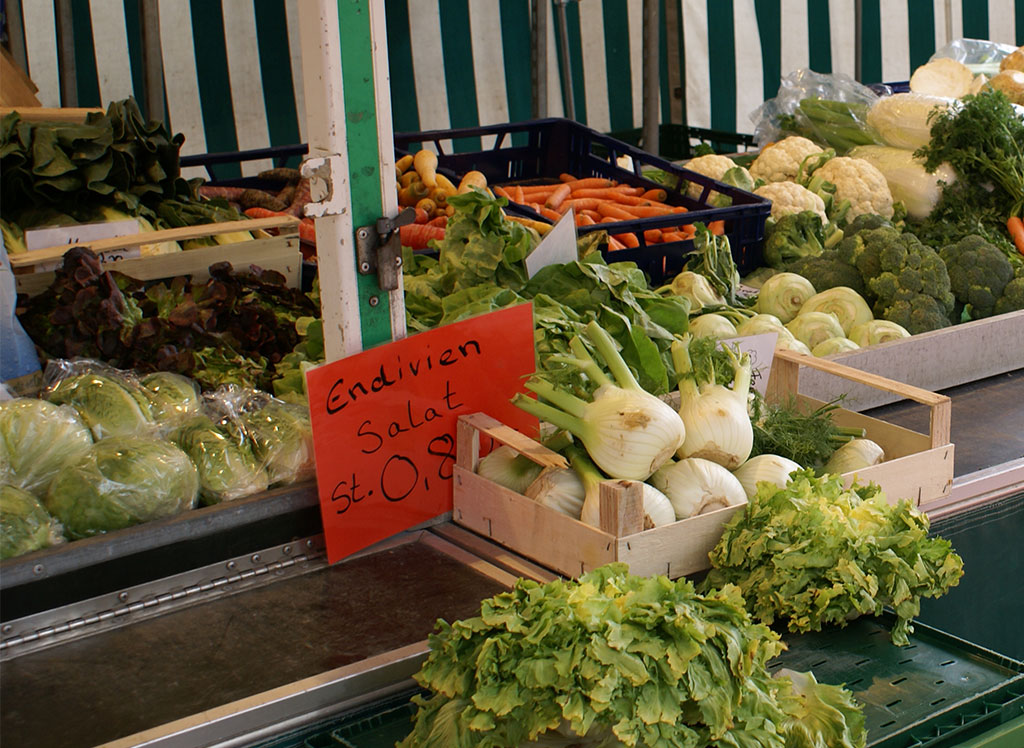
<point x="384" y="421"/>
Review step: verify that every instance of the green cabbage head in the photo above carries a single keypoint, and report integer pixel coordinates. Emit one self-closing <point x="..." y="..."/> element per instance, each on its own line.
<point x="25" y="525"/>
<point x="110" y="407"/>
<point x="37" y="438"/>
<point x="227" y="467"/>
<point x="172" y="396"/>
<point x="282" y="440"/>
<point x="120" y="482"/>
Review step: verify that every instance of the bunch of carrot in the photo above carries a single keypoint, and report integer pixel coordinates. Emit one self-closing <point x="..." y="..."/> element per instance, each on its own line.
<point x="598" y="200"/>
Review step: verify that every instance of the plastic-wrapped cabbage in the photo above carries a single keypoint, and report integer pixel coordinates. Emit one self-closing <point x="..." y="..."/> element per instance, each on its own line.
<point x="25" y="525"/>
<point x="120" y="482"/>
<point x="227" y="467"/>
<point x="37" y="438"/>
<point x="172" y="396"/>
<point x="282" y="440"/>
<point x="109" y="406"/>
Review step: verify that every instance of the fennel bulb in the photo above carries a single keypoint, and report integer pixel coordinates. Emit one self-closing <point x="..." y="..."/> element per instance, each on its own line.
<point x="717" y="425"/>
<point x="712" y="326"/>
<point x="769" y="468"/>
<point x="811" y="328"/>
<point x="759" y="324"/>
<point x="856" y="454"/>
<point x="877" y="331"/>
<point x="508" y="468"/>
<point x="695" y="288"/>
<point x="787" y="342"/>
<point x="834" y="345"/>
<point x="657" y="508"/>
<point x="783" y="295"/>
<point x="628" y="433"/>
<point x="560" y="489"/>
<point x="697" y="486"/>
<point x="846" y="304"/>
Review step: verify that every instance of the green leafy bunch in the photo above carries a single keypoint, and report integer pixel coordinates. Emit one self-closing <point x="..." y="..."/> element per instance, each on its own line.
<point x="815" y="554"/>
<point x="613" y="660"/>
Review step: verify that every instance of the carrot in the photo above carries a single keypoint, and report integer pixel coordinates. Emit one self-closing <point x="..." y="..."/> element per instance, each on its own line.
<point x="307" y="231"/>
<point x="554" y="215"/>
<point x="422" y="216"/>
<point x="566" y="177"/>
<point x="558" y="197"/>
<point x="517" y="194"/>
<point x="426" y="204"/>
<point x="629" y="240"/>
<point x="416" y="235"/>
<point x="717" y="227"/>
<point x="672" y="236"/>
<point x="657" y="195"/>
<point x="604" y="193"/>
<point x="590" y="183"/>
<point x="404" y="163"/>
<point x="281" y="174"/>
<point x="300" y="197"/>
<point x="646" y="211"/>
<point x="618" y="212"/>
<point x="652" y="236"/>
<point x="584" y="220"/>
<point x="614" y="244"/>
<point x="425" y="164"/>
<point x="263" y="213"/>
<point x="591" y="214"/>
<point x="472" y="179"/>
<point x="228" y="193"/>
<point x="502" y="192"/>
<point x="689" y="230"/>
<point x="441" y="221"/>
<point x="1016" y="228"/>
<point x="583" y="203"/>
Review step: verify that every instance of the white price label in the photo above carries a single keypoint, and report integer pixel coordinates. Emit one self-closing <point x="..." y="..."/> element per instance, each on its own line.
<point x="761" y="349"/>
<point x="557" y="247"/>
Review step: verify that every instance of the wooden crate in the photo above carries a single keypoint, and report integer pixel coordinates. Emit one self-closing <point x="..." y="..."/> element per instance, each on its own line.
<point x="280" y="253"/>
<point x="918" y="466"/>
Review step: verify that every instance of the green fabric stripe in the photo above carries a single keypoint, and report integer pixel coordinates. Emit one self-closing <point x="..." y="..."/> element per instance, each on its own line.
<point x="133" y="27"/>
<point x="460" y="82"/>
<point x="871" y="42"/>
<point x="515" y="45"/>
<point x="214" y="83"/>
<point x="769" y="26"/>
<point x="363" y="154"/>
<point x="975" y="14"/>
<point x="819" y="52"/>
<point x="404" y="113"/>
<point x="722" y="60"/>
<point x="86" y="78"/>
<point x="579" y="87"/>
<point x="617" y="64"/>
<point x="1019" y="22"/>
<point x="276" y="72"/>
<point x="922" y="31"/>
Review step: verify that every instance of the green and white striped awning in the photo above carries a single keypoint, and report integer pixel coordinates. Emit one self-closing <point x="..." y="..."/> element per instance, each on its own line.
<point x="232" y="76"/>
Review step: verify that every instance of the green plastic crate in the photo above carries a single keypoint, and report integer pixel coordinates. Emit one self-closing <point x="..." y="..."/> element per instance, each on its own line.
<point x="936" y="693"/>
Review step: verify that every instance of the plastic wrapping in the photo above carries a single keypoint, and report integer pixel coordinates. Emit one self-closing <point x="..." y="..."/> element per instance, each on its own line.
<point x="25" y="525"/>
<point x="173" y="397"/>
<point x="901" y="120"/>
<point x="37" y="439"/>
<point x="980" y="55"/>
<point x="227" y="467"/>
<point x="120" y="482"/>
<point x="830" y="109"/>
<point x="110" y="401"/>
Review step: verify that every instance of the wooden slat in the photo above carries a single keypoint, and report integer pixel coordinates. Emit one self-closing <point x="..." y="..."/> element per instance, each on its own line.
<point x="622" y="508"/>
<point x="184" y="233"/>
<point x="508" y="435"/>
<point x="50" y="114"/>
<point x="921" y="477"/>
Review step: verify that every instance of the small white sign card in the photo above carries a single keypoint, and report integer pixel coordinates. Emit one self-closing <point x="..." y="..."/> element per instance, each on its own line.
<point x="55" y="236"/>
<point x="761" y="349"/>
<point x="557" y="247"/>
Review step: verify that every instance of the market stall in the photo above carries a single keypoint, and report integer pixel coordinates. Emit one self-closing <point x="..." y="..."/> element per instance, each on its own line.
<point x="268" y="616"/>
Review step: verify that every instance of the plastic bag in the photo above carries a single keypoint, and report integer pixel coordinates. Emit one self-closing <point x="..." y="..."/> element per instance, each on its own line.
<point x="110" y="401"/>
<point x="980" y="55"/>
<point x="37" y="439"/>
<point x="828" y="108"/>
<point x="120" y="482"/>
<point x="25" y="525"/>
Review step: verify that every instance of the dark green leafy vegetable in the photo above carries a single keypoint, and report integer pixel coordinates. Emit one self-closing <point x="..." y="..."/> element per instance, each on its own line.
<point x="814" y="554"/>
<point x="25" y="525"/>
<point x="120" y="482"/>
<point x="616" y="660"/>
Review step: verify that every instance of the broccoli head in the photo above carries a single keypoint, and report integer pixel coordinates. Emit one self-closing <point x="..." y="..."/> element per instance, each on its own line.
<point x="828" y="271"/>
<point x="1012" y="298"/>
<point x="867" y="221"/>
<point x="920" y="313"/>
<point x="797" y="235"/>
<point x="863" y="250"/>
<point x="978" y="274"/>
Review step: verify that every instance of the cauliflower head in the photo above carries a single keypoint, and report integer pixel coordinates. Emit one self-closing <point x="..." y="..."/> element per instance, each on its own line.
<point x="780" y="162"/>
<point x="721" y="169"/>
<point x="790" y="197"/>
<point x="859" y="182"/>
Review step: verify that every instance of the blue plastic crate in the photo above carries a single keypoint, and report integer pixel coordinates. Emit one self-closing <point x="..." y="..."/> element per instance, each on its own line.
<point x="541" y="150"/>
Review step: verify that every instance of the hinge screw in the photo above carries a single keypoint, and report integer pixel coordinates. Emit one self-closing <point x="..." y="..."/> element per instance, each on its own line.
<point x="38" y="569"/>
<point x="7" y="629"/>
<point x="232" y="564"/>
<point x="122" y="596"/>
<point x="374" y="301"/>
<point x="287" y="550"/>
<point x="364" y="267"/>
<point x="255" y="558"/>
<point x="362" y="233"/>
<point x="309" y="543"/>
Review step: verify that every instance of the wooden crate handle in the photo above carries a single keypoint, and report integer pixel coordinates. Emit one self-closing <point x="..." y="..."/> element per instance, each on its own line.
<point x="183" y="233"/>
<point x="789" y="363"/>
<point x="468" y="446"/>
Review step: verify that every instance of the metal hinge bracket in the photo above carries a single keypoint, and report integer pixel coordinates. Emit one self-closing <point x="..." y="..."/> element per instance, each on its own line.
<point x="379" y="249"/>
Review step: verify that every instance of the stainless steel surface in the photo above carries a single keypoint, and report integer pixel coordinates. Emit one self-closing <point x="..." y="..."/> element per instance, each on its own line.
<point x="652" y="85"/>
<point x="981" y="487"/>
